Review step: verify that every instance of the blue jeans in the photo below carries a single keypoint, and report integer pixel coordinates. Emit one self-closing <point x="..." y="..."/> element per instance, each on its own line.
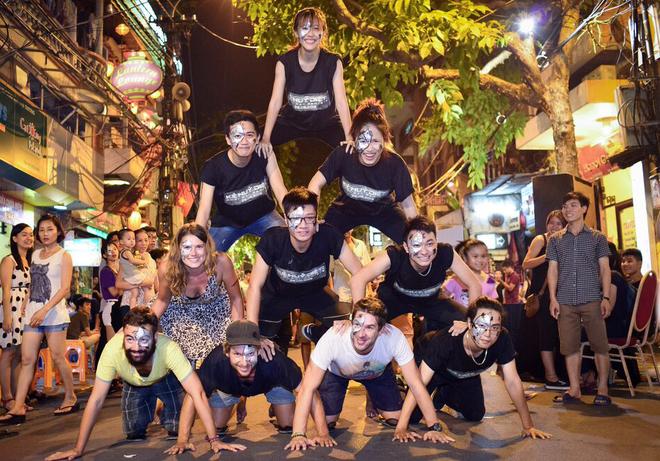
<point x="225" y="236"/>
<point x="138" y="405"/>
<point x="275" y="396"/>
<point x="383" y="391"/>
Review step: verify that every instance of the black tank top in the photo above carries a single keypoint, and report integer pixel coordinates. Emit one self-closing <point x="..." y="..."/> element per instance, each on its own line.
<point x="540" y="272"/>
<point x="310" y="100"/>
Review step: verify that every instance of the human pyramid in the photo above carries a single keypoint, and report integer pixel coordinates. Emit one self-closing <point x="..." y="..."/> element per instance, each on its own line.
<point x="194" y="349"/>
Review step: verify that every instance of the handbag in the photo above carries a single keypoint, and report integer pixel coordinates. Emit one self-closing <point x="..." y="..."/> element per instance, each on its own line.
<point x="533" y="302"/>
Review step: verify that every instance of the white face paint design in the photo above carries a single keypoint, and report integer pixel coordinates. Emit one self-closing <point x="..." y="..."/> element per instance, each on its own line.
<point x="363" y="140"/>
<point x="296" y="217"/>
<point x="250" y="354"/>
<point x="186" y="248"/>
<point x="416" y="242"/>
<point x="481" y="324"/>
<point x="304" y="30"/>
<point x="357" y="325"/>
<point x="236" y="135"/>
<point x="143" y="337"/>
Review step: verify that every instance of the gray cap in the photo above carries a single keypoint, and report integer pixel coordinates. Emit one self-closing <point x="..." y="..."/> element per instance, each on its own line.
<point x="243" y="332"/>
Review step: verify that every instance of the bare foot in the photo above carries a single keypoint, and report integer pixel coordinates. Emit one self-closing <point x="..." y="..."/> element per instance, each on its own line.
<point x="241" y="410"/>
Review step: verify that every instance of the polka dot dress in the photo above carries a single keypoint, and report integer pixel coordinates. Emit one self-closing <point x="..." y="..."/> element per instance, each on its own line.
<point x="20" y="287"/>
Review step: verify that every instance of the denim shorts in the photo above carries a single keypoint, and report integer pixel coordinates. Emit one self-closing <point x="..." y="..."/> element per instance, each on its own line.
<point x="43" y="329"/>
<point x="275" y="396"/>
<point x="383" y="391"/>
<point x="225" y="236"/>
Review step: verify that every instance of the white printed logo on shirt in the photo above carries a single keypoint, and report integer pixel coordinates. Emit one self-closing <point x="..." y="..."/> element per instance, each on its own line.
<point x="247" y="194"/>
<point x="317" y="273"/>
<point x="309" y="102"/>
<point x="423" y="293"/>
<point x="363" y="193"/>
<point x="465" y="374"/>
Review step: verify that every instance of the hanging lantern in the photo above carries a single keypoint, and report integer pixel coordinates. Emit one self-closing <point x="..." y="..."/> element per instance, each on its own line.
<point x="137" y="77"/>
<point x="134" y="220"/>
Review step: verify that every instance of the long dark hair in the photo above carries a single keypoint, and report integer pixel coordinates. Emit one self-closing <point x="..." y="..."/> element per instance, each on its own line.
<point x="17" y="229"/>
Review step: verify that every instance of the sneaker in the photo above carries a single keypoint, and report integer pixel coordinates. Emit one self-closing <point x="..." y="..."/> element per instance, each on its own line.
<point x="307" y="332"/>
<point x="136" y="437"/>
<point x="558" y="385"/>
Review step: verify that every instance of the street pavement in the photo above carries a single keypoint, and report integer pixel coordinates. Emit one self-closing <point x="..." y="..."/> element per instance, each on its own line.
<point x="629" y="429"/>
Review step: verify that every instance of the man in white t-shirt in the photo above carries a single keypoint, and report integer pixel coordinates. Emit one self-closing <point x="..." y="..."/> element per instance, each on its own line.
<point x="362" y="353"/>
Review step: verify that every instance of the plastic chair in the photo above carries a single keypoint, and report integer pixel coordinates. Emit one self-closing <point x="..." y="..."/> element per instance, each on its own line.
<point x="76" y="357"/>
<point x="640" y="323"/>
<point x="649" y="340"/>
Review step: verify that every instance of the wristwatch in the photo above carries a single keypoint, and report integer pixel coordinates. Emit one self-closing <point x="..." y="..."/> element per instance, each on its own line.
<point x="436" y="427"/>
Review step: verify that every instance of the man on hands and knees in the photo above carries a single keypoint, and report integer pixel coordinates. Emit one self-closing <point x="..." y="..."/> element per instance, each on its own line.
<point x="362" y="353"/>
<point x="291" y="270"/>
<point x="451" y="365"/>
<point x="414" y="274"/>
<point x="235" y="370"/>
<point x="151" y="366"/>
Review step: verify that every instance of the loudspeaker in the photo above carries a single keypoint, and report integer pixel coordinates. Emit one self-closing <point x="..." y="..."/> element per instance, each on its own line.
<point x="549" y="190"/>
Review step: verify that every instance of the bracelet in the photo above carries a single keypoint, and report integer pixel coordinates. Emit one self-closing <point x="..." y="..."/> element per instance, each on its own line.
<point x="210" y="440"/>
<point x="606" y="297"/>
<point x="298" y="434"/>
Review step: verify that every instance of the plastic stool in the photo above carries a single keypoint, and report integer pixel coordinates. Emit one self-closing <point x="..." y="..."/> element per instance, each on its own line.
<point x="76" y="356"/>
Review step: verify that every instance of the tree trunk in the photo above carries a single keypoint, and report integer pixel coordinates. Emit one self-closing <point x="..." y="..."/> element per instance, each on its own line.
<point x="561" y="117"/>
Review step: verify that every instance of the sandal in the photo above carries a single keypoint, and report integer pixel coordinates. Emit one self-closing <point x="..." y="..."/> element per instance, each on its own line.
<point x="66" y="410"/>
<point x="389" y="422"/>
<point x="602" y="400"/>
<point x="566" y="398"/>
<point x="11" y="418"/>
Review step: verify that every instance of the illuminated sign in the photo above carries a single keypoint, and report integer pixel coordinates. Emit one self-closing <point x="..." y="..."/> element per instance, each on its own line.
<point x="84" y="252"/>
<point x="137" y="77"/>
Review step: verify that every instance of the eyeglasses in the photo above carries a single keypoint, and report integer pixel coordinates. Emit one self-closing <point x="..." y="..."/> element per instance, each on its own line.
<point x="307" y="219"/>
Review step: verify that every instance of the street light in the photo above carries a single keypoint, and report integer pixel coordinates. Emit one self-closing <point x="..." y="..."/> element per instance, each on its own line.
<point x="526" y="25"/>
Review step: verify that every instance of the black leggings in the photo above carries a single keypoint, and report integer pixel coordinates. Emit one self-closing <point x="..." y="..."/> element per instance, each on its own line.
<point x="282" y="133"/>
<point x="390" y="221"/>
<point x="324" y="305"/>
<point x="438" y="312"/>
<point x="463" y="395"/>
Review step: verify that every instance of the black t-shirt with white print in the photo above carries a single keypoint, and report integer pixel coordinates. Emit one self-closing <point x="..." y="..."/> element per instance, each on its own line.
<point x="216" y="373"/>
<point x="241" y="195"/>
<point x="446" y="356"/>
<point x="310" y="99"/>
<point x="294" y="274"/>
<point x="367" y="189"/>
<point x="405" y="281"/>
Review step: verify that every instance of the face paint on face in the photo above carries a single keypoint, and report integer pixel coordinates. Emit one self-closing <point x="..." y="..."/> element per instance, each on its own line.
<point x="296" y="217"/>
<point x="186" y="249"/>
<point x="236" y="135"/>
<point x="481" y="324"/>
<point x="363" y="140"/>
<point x="304" y="30"/>
<point x="416" y="242"/>
<point x="143" y="337"/>
<point x="357" y="325"/>
<point x="250" y="354"/>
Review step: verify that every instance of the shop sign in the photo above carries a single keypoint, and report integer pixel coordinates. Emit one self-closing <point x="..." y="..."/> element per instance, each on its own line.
<point x="137" y="77"/>
<point x="11" y="210"/>
<point x="593" y="162"/>
<point x="22" y="135"/>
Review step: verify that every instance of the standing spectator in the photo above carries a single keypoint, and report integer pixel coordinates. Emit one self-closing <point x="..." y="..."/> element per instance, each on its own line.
<point x="152" y="233"/>
<point x="548" y="333"/>
<point x="15" y="279"/>
<point x="512" y="283"/>
<point x="631" y="266"/>
<point x="46" y="315"/>
<point x="109" y="292"/>
<point x="579" y="282"/>
<point x="198" y="293"/>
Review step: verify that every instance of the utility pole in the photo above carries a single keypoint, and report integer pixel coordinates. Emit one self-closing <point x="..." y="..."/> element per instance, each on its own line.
<point x="174" y="103"/>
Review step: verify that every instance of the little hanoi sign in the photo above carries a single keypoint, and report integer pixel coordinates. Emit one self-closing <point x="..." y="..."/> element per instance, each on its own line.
<point x="137" y="77"/>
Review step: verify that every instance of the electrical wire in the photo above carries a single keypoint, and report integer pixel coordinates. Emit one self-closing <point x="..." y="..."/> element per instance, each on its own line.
<point x="226" y="40"/>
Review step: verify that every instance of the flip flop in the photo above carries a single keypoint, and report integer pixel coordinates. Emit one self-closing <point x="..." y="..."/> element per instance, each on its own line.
<point x="389" y="422"/>
<point x="566" y="398"/>
<point x="66" y="410"/>
<point x="13" y="419"/>
<point x="602" y="400"/>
